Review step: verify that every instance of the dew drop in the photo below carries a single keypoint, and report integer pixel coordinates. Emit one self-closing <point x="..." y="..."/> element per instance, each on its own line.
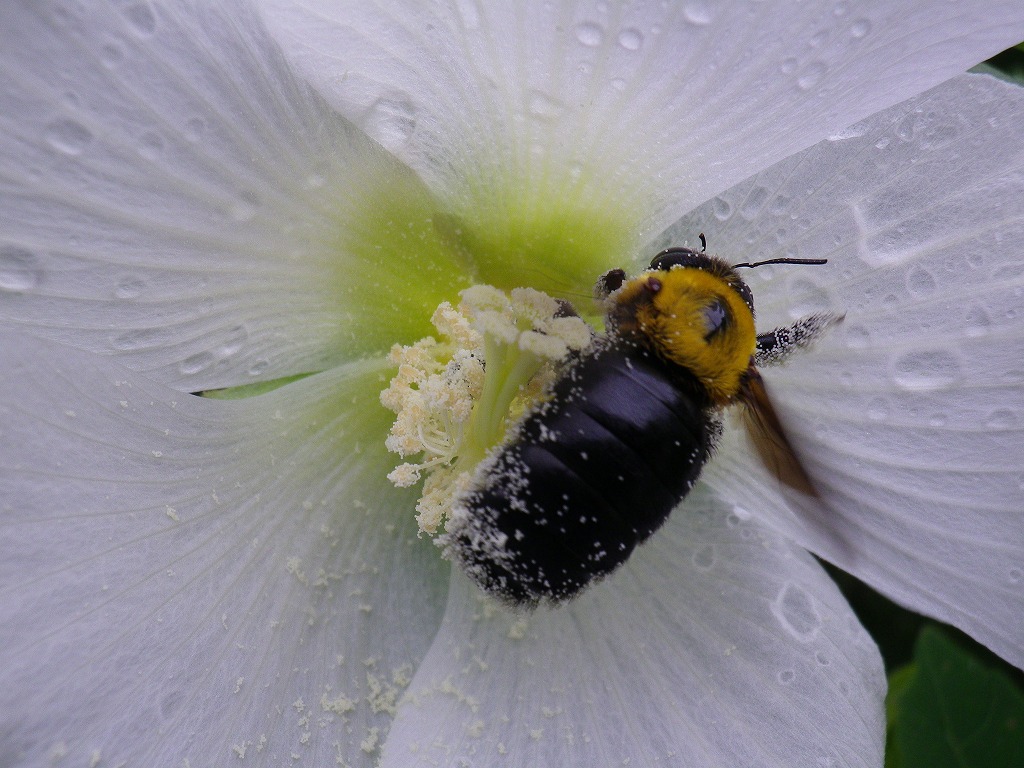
<point x="67" y="136"/>
<point x="236" y="338"/>
<point x="631" y="39"/>
<point x="245" y="207"/>
<point x="786" y="676"/>
<point x="196" y="363"/>
<point x="1016" y="575"/>
<point x="920" y="282"/>
<point x="722" y="208"/>
<point x="841" y="8"/>
<point x="590" y="34"/>
<point x="977" y="323"/>
<point x="151" y="145"/>
<point x="111" y="55"/>
<point x="878" y="410"/>
<point x="789" y="66"/>
<point x="704" y="557"/>
<point x="543" y="106"/>
<point x="754" y="203"/>
<point x="195" y="128"/>
<point x="391" y="121"/>
<point x="138" y="338"/>
<point x="618" y="84"/>
<point x="259" y="368"/>
<point x="1002" y="418"/>
<point x="795" y="611"/>
<point x="141" y="17"/>
<point x="926" y="370"/>
<point x="857" y="336"/>
<point x="698" y="13"/>
<point x="19" y="269"/>
<point x="860" y="29"/>
<point x="129" y="288"/>
<point x="811" y="75"/>
<point x="822" y="659"/>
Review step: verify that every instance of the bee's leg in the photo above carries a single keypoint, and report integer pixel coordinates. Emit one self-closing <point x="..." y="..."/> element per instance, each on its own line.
<point x="775" y="346"/>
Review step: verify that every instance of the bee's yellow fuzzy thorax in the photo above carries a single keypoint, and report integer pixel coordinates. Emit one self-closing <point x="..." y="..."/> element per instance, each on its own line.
<point x="694" y="319"/>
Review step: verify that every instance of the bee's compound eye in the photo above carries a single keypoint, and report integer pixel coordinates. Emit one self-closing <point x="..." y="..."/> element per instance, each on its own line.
<point x="716" y="316"/>
<point x="610" y="282"/>
<point x="653" y="284"/>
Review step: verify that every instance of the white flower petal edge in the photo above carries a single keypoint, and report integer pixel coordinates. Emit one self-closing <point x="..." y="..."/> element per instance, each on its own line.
<point x="909" y="414"/>
<point x="187" y="579"/>
<point x="717" y="644"/>
<point x="169" y="194"/>
<point x="655" y="106"/>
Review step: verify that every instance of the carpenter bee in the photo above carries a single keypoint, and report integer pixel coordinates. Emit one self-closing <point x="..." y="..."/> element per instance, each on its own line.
<point x="596" y="468"/>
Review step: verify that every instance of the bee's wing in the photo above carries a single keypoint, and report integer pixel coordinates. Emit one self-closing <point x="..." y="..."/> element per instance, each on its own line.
<point x="765" y="430"/>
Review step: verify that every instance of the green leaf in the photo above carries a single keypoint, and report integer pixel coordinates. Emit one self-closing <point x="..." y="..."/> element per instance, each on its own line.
<point x="948" y="708"/>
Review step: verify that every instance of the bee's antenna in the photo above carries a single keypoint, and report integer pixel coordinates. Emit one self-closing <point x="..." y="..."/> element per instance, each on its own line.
<point x="703" y="243"/>
<point x="782" y="261"/>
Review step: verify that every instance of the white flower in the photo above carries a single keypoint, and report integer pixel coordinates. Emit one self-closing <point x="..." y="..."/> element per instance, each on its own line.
<point x="187" y="581"/>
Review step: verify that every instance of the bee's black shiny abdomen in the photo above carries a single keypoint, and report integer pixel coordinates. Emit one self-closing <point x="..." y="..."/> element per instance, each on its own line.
<point x="592" y="473"/>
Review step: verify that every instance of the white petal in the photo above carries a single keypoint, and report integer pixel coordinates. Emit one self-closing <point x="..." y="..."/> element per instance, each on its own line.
<point x="187" y="579"/>
<point x="717" y="644"/>
<point x="646" y="107"/>
<point x="169" y="194"/>
<point x="910" y="414"/>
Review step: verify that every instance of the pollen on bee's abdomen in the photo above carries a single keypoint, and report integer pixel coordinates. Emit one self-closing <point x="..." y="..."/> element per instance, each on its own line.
<point x="455" y="397"/>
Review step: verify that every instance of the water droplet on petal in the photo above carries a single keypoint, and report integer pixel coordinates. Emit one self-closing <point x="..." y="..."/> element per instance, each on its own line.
<point x="860" y="28"/>
<point x="129" y="288"/>
<point x="245" y="207"/>
<point x="926" y="369"/>
<point x="631" y="39"/>
<point x="704" y="557"/>
<point x="141" y="17"/>
<point x="795" y="611"/>
<point x="856" y="336"/>
<point x="977" y="323"/>
<point x="878" y="410"/>
<point x="195" y="128"/>
<point x="391" y="121"/>
<point x="138" y="338"/>
<point x="543" y="106"/>
<point x="811" y="75"/>
<point x="111" y="55"/>
<point x="151" y="145"/>
<point x="754" y="203"/>
<point x="19" y="269"/>
<point x="697" y="12"/>
<point x="259" y="368"/>
<point x="236" y="338"/>
<point x="1016" y="574"/>
<point x="67" y="136"/>
<point x="920" y="282"/>
<point x="722" y="208"/>
<point x="786" y="676"/>
<point x="789" y="66"/>
<point x="1002" y="418"/>
<point x="196" y="363"/>
<point x="590" y="34"/>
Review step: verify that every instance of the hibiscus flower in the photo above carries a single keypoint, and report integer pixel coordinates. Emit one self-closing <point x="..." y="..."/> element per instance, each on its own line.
<point x="202" y="196"/>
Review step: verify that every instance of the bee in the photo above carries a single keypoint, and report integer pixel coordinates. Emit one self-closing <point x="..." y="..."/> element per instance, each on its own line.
<point x="594" y="470"/>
